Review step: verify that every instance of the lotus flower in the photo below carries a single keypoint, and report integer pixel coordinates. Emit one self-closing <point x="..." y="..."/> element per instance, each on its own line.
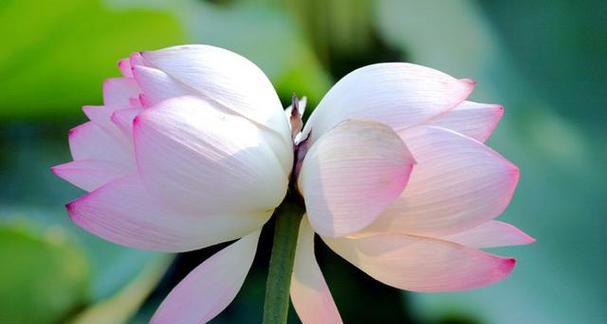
<point x="192" y="148"/>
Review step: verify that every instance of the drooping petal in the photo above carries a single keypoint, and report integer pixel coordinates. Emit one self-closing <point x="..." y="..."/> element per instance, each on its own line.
<point x="157" y="85"/>
<point x="89" y="174"/>
<point x="397" y="94"/>
<point x="90" y="141"/>
<point x="124" y="213"/>
<point x="491" y="234"/>
<point x="201" y="159"/>
<point x="118" y="91"/>
<point x="309" y="292"/>
<point x="476" y="120"/>
<point x="422" y="264"/>
<point x="226" y="78"/>
<point x="458" y="183"/>
<point x="210" y="287"/>
<point x="352" y="174"/>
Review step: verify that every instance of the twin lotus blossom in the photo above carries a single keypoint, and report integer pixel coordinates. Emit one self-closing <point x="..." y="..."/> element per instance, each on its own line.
<point x="193" y="148"/>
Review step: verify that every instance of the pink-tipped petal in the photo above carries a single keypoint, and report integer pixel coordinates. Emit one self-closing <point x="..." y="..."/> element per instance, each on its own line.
<point x="98" y="114"/>
<point x="458" y="183"/>
<point x="310" y="294"/>
<point x="200" y="159"/>
<point x="422" y="264"/>
<point x="90" y="141"/>
<point x="124" y="65"/>
<point x="211" y="287"/>
<point x="117" y="91"/>
<point x="476" y="120"/>
<point x="397" y="94"/>
<point x="89" y="174"/>
<point x="157" y="85"/>
<point x="123" y="119"/>
<point x="491" y="234"/>
<point x="102" y="116"/>
<point x="226" y="78"/>
<point x="123" y="212"/>
<point x="352" y="174"/>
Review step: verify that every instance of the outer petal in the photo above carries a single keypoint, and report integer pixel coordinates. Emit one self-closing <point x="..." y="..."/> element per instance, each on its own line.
<point x="309" y="292"/>
<point x="225" y="78"/>
<point x="457" y="184"/>
<point x="211" y="287"/>
<point x="398" y="94"/>
<point x="352" y="174"/>
<point x="91" y="141"/>
<point x="124" y="213"/>
<point x="476" y="120"/>
<point x="422" y="264"/>
<point x="491" y="234"/>
<point x="203" y="160"/>
<point x="118" y="91"/>
<point x="89" y="174"/>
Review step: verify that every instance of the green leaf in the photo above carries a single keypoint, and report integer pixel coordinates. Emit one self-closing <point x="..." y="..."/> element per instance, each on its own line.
<point x="55" y="54"/>
<point x="43" y="278"/>
<point x="122" y="306"/>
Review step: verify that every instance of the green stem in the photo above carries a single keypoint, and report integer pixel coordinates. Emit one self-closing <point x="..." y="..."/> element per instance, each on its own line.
<point x="276" y="305"/>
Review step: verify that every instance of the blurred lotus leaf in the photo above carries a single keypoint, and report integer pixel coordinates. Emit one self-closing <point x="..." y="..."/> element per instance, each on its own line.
<point x="55" y="54"/>
<point x="44" y="278"/>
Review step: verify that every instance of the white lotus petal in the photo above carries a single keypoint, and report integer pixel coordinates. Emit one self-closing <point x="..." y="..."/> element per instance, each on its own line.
<point x="211" y="287"/>
<point x="352" y="174"/>
<point x="422" y="264"/>
<point x="309" y="292"/>
<point x="397" y="94"/>
<point x="123" y="212"/>
<point x="200" y="159"/>
<point x="458" y="183"/>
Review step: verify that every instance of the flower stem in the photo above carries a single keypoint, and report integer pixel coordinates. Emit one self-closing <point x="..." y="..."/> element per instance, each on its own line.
<point x="276" y="305"/>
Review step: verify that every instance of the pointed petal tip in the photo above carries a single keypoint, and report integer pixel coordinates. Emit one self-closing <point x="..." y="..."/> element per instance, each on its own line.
<point x="508" y="265"/>
<point x="469" y="82"/>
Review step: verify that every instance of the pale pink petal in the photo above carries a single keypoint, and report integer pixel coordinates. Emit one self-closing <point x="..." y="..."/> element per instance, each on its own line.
<point x="89" y="174"/>
<point x="226" y="78"/>
<point x="309" y="292"/>
<point x="90" y="141"/>
<point x="201" y="159"/>
<point x="397" y="94"/>
<point x="157" y="85"/>
<point x="458" y="183"/>
<point x="102" y="116"/>
<point x="211" y="287"/>
<point x="124" y="213"/>
<point x="99" y="114"/>
<point x="118" y="91"/>
<point x="422" y="264"/>
<point x="476" y="120"/>
<point x="490" y="234"/>
<point x="123" y="119"/>
<point x="352" y="174"/>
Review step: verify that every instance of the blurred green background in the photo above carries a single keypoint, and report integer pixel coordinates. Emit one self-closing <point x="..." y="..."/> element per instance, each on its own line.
<point x="544" y="60"/>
